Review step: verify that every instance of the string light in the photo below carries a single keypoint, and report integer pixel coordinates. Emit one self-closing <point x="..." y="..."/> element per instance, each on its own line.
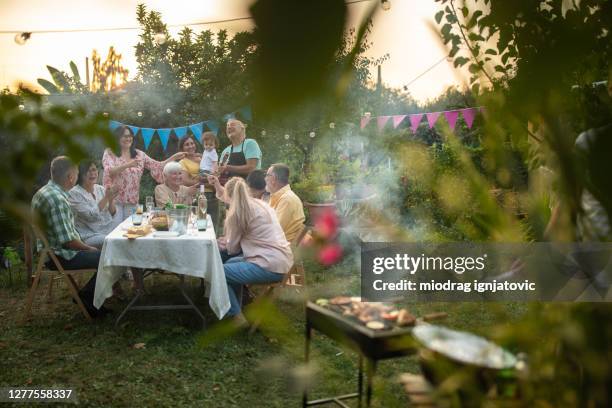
<point x="332" y="125"/>
<point x="168" y="110"/>
<point x="287" y="136"/>
<point x="69" y="111"/>
<point x="21" y="107"/>
<point x="159" y="38"/>
<point x="105" y="114"/>
<point x="139" y="114"/>
<point x="263" y="132"/>
<point x="312" y="134"/>
<point x="385" y="4"/>
<point x="21" y="38"/>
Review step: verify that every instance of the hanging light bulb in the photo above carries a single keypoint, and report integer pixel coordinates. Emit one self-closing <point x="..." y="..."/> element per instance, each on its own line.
<point x="159" y="38"/>
<point x="312" y="134"/>
<point x="139" y="114"/>
<point x="287" y="136"/>
<point x="21" y="38"/>
<point x="21" y="107"/>
<point x="263" y="132"/>
<point x="385" y="4"/>
<point x="168" y="110"/>
<point x="332" y="125"/>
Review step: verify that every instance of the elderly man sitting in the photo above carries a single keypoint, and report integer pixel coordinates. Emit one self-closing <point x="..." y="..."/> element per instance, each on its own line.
<point x="50" y="203"/>
<point x="173" y="190"/>
<point x="286" y="203"/>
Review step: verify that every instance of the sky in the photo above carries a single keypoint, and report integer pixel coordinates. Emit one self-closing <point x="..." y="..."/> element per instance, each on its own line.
<point x="404" y="32"/>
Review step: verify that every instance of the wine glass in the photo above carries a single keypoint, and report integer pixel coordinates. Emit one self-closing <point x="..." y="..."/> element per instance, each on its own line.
<point x="150" y="204"/>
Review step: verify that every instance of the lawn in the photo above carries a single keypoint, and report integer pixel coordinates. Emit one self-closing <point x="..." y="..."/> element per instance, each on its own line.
<point x="164" y="359"/>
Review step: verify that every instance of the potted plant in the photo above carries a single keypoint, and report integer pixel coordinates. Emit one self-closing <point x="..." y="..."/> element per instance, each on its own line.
<point x="316" y="193"/>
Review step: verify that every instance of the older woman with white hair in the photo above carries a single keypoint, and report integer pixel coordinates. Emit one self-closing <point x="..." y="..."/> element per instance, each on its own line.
<point x="173" y="189"/>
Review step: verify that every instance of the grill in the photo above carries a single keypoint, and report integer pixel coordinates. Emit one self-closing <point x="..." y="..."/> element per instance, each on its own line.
<point x="371" y="345"/>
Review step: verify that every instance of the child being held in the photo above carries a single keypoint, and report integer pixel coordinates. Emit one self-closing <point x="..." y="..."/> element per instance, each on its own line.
<point x="208" y="164"/>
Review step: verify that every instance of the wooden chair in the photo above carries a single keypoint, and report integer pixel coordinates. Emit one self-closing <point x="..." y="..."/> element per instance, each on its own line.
<point x="41" y="268"/>
<point x="296" y="273"/>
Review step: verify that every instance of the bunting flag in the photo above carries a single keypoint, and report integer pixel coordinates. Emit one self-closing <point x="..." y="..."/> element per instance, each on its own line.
<point x="164" y="136"/>
<point x="432" y="117"/>
<point x="451" y="118"/>
<point x="246" y="113"/>
<point x="213" y="126"/>
<point x="113" y="124"/>
<point x="397" y="119"/>
<point x="180" y="132"/>
<point x="468" y="115"/>
<point x="197" y="130"/>
<point x="414" y="121"/>
<point x="135" y="129"/>
<point x="147" y="136"/>
<point x="365" y="120"/>
<point x="382" y="121"/>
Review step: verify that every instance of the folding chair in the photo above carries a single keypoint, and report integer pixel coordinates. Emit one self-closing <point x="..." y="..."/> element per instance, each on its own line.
<point x="41" y="268"/>
<point x="297" y="274"/>
<point x="290" y="278"/>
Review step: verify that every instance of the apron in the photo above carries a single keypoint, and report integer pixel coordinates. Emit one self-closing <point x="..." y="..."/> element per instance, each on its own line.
<point x="233" y="159"/>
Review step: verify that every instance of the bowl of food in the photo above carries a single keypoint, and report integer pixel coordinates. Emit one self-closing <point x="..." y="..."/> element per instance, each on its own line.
<point x="476" y="365"/>
<point x="159" y="220"/>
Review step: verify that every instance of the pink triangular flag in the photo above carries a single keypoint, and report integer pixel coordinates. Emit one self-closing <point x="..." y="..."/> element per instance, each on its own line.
<point x="364" y="121"/>
<point x="468" y="115"/>
<point x="431" y="118"/>
<point x="451" y="118"/>
<point x="397" y="119"/>
<point x="414" y="121"/>
<point x="382" y="121"/>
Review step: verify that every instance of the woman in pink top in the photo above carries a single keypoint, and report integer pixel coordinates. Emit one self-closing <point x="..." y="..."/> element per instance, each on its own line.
<point x="251" y="226"/>
<point x="123" y="169"/>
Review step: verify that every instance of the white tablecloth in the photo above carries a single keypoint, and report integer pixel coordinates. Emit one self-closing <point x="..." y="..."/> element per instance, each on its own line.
<point x="193" y="255"/>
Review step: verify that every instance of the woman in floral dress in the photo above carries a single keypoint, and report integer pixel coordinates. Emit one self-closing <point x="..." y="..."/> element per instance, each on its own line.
<point x="123" y="169"/>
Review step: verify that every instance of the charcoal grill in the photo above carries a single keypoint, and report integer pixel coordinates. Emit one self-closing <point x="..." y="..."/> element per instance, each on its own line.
<point x="371" y="345"/>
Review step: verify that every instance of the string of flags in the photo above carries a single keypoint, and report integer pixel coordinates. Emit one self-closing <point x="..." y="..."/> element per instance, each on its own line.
<point x="415" y="119"/>
<point x="196" y="129"/>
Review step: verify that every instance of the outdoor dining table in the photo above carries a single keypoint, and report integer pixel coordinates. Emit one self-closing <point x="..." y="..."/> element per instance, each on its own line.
<point x="193" y="254"/>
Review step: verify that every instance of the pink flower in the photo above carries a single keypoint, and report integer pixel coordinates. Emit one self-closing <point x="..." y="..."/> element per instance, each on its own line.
<point x="326" y="225"/>
<point x="330" y="254"/>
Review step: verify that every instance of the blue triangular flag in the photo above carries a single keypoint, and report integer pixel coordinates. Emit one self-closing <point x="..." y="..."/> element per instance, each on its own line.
<point x="113" y="124"/>
<point x="246" y="113"/>
<point x="180" y="132"/>
<point x="213" y="126"/>
<point x="135" y="129"/>
<point x="197" y="131"/>
<point x="147" y="136"/>
<point x="164" y="135"/>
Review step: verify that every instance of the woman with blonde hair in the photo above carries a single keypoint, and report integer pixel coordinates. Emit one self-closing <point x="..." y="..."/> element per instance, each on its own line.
<point x="251" y="226"/>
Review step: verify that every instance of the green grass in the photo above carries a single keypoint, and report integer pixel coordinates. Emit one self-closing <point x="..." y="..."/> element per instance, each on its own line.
<point x="180" y="365"/>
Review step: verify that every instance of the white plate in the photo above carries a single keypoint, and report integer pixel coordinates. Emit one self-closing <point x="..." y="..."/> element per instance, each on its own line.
<point x="165" y="234"/>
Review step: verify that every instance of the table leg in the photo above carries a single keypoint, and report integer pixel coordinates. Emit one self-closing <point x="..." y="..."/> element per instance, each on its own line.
<point x="139" y="293"/>
<point x="188" y="299"/>
<point x="306" y="360"/>
<point x="371" y="371"/>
